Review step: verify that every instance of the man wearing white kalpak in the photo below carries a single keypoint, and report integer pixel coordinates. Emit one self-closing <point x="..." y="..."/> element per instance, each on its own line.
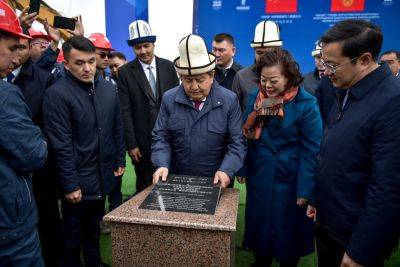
<point x="142" y="83"/>
<point x="266" y="37"/>
<point x="198" y="130"/>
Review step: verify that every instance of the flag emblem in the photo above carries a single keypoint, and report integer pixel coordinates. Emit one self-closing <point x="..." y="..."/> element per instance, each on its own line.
<point x="347" y="5"/>
<point x="280" y="6"/>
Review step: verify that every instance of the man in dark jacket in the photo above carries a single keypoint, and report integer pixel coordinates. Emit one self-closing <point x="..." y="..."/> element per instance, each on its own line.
<point x="84" y="126"/>
<point x="33" y="82"/>
<point x="224" y="49"/>
<point x="266" y="37"/>
<point x="117" y="60"/>
<point x="312" y="79"/>
<point x="199" y="128"/>
<point x="22" y="150"/>
<point x="392" y="58"/>
<point x="358" y="185"/>
<point x="141" y="84"/>
<point x="47" y="59"/>
<point x="326" y="95"/>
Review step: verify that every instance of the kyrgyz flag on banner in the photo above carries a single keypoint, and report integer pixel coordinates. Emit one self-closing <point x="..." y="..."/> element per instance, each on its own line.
<point x="281" y="6"/>
<point x="347" y="5"/>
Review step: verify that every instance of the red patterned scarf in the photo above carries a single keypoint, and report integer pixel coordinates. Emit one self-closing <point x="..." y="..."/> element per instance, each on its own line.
<point x="266" y="106"/>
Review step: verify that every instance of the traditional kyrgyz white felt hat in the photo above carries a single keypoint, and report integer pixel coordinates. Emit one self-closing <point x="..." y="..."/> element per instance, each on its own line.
<point x="194" y="58"/>
<point x="317" y="49"/>
<point x="140" y="32"/>
<point x="266" y="34"/>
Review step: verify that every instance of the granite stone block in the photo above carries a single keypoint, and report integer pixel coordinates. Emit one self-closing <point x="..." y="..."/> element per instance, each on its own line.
<point x="164" y="238"/>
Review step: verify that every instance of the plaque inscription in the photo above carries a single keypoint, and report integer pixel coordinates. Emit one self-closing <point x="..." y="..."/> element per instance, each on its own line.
<point x="184" y="193"/>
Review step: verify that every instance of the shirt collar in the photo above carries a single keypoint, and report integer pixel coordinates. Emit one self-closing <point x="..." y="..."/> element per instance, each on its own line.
<point x="362" y="87"/>
<point x="17" y="71"/>
<point x="203" y="100"/>
<point x="229" y="65"/>
<point x="152" y="64"/>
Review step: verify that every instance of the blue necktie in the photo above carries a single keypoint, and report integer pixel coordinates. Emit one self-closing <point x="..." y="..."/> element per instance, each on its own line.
<point x="10" y="77"/>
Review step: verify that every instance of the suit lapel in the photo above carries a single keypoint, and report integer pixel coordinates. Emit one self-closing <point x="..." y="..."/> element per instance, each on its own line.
<point x="291" y="113"/>
<point x="161" y="76"/>
<point x="142" y="80"/>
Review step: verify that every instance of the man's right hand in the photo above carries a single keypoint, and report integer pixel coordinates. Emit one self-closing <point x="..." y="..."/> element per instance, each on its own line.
<point x="74" y="197"/>
<point x="311" y="212"/>
<point x="135" y="154"/>
<point x="27" y="19"/>
<point x="160" y="173"/>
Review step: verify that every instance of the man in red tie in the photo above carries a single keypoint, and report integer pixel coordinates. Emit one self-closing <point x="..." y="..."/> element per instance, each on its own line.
<point x="198" y="129"/>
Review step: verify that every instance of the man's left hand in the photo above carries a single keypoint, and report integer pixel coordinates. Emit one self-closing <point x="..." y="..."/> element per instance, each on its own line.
<point x="79" y="30"/>
<point x="348" y="262"/>
<point x="301" y="201"/>
<point x="52" y="32"/>
<point x="119" y="171"/>
<point x="222" y="178"/>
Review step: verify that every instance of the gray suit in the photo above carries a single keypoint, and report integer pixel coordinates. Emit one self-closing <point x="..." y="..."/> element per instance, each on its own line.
<point x="244" y="82"/>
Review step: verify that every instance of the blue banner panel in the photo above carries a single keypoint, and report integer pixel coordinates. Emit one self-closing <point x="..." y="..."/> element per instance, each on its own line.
<point x="119" y="14"/>
<point x="302" y="22"/>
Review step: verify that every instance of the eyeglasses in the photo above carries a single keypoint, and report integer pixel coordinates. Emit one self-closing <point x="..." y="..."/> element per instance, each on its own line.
<point x="104" y="55"/>
<point x="41" y="43"/>
<point x="333" y="68"/>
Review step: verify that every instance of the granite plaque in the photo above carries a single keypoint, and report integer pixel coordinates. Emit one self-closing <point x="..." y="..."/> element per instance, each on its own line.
<point x="184" y="193"/>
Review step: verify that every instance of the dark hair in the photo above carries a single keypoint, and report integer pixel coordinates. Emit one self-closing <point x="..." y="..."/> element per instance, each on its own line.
<point x="79" y="43"/>
<point x="281" y="57"/>
<point x="392" y="52"/>
<point x="224" y="37"/>
<point x="118" y="55"/>
<point x="358" y="37"/>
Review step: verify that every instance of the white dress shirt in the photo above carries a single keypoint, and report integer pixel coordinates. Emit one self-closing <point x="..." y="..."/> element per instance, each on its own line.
<point x="152" y="66"/>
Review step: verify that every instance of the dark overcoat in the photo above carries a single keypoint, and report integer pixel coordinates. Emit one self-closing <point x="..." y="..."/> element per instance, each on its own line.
<point x="192" y="142"/>
<point x="358" y="175"/>
<point x="279" y="168"/>
<point x="22" y="150"/>
<point x="85" y="131"/>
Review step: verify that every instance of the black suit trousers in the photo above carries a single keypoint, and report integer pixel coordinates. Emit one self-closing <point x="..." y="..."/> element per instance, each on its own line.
<point x="45" y="191"/>
<point x="144" y="170"/>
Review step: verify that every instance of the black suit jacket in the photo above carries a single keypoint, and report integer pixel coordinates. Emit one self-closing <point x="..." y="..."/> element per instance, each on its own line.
<point x="226" y="80"/>
<point x="325" y="94"/>
<point x="33" y="82"/>
<point x="139" y="106"/>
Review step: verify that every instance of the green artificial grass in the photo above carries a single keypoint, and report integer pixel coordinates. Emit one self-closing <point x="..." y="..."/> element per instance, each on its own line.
<point x="243" y="258"/>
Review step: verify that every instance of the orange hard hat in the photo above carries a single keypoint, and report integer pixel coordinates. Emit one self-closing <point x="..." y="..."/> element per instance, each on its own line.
<point x="99" y="40"/>
<point x="39" y="34"/>
<point x="9" y="21"/>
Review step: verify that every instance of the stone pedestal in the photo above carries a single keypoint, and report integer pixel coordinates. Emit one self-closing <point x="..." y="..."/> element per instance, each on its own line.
<point x="162" y="238"/>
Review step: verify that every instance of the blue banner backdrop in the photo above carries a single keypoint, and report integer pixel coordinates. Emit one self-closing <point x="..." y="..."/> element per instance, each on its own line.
<point x="119" y="14"/>
<point x="302" y="24"/>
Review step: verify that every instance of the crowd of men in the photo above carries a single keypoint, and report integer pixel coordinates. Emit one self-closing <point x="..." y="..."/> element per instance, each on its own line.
<point x="68" y="118"/>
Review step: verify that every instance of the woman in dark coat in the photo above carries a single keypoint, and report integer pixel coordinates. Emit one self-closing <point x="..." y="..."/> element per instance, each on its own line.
<point x="283" y="127"/>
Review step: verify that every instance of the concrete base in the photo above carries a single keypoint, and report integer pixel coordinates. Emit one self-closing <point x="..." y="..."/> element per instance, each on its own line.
<point x="161" y="238"/>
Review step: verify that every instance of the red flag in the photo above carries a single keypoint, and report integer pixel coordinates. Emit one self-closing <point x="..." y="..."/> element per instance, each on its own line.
<point x="281" y="6"/>
<point x="347" y="5"/>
